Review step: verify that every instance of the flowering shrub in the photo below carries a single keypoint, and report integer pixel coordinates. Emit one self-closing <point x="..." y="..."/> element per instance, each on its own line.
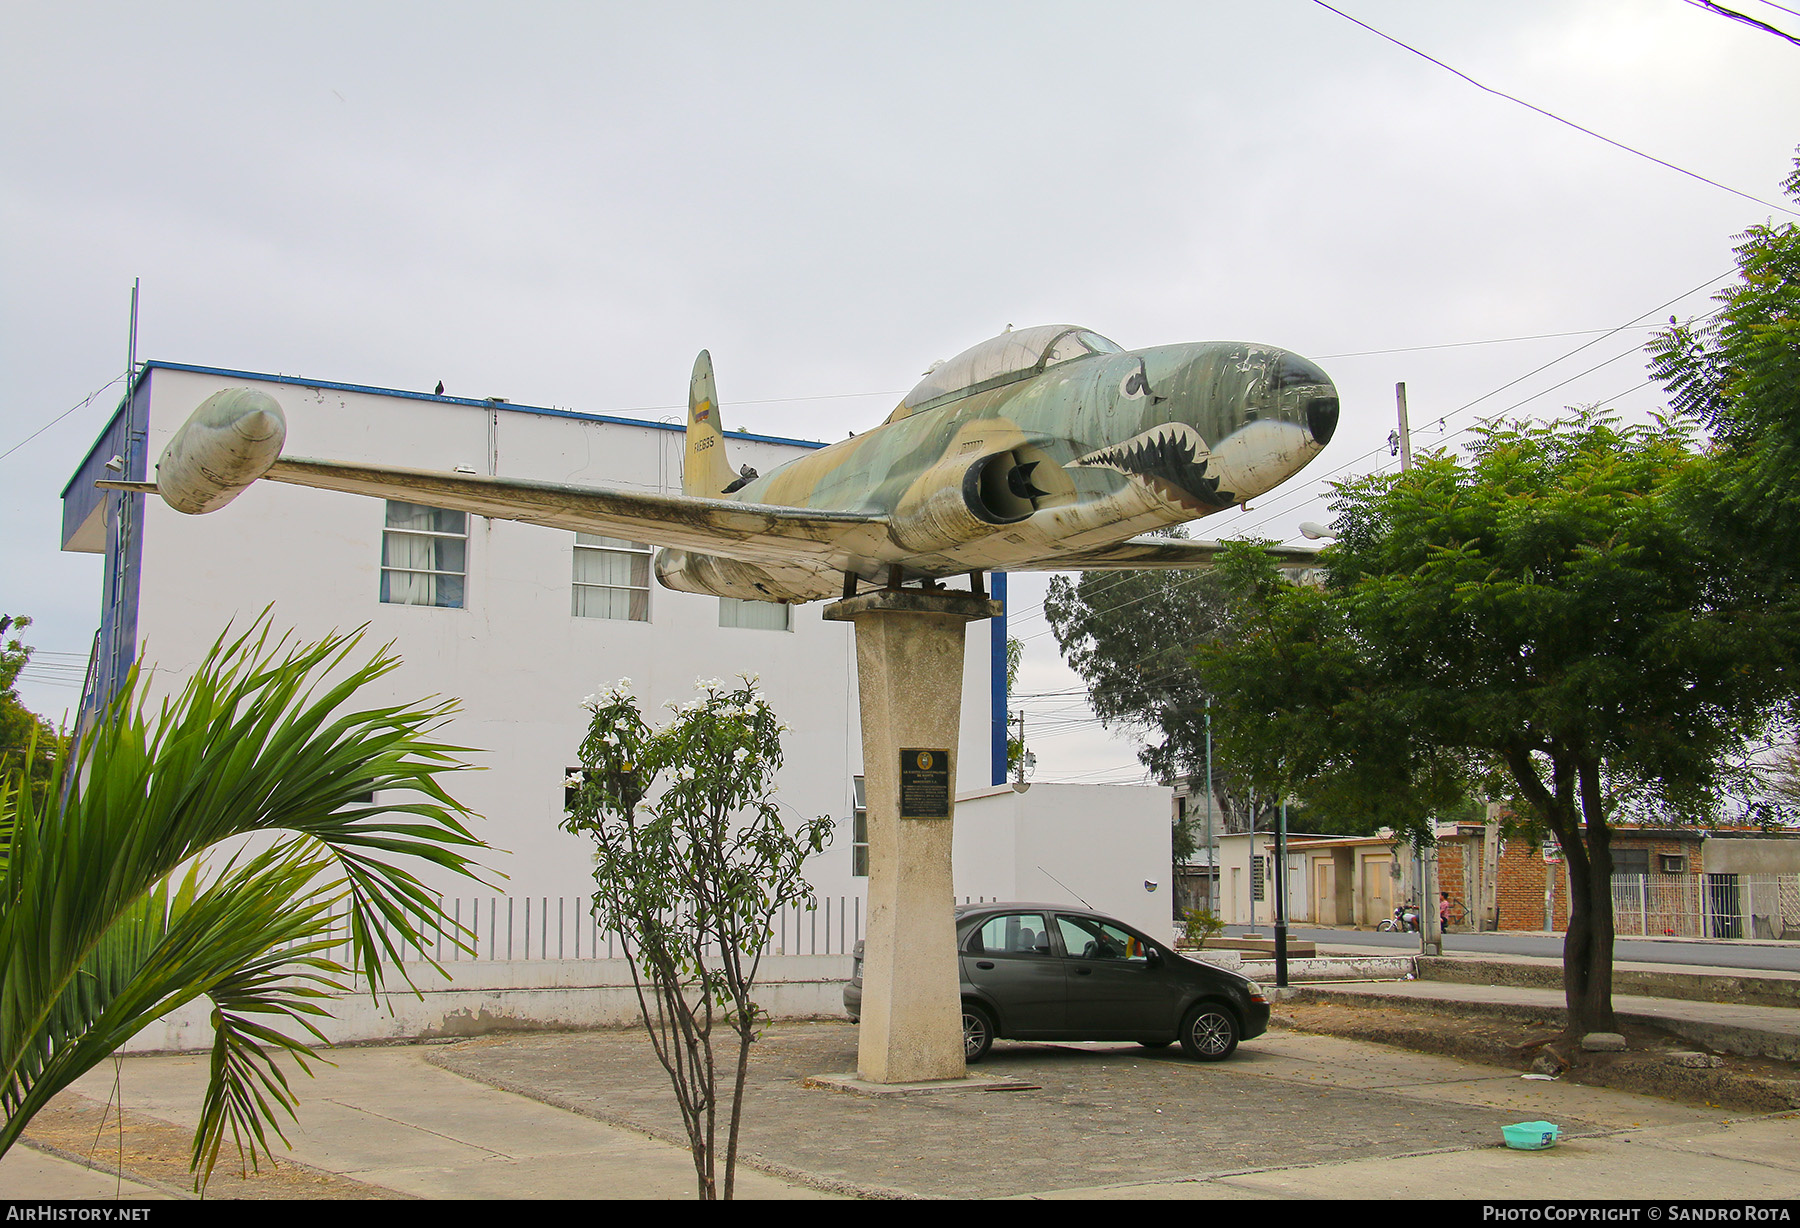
<point x="693" y="863"/>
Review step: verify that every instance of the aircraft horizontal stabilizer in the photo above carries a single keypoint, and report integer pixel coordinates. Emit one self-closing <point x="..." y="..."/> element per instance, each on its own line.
<point x="1145" y="552"/>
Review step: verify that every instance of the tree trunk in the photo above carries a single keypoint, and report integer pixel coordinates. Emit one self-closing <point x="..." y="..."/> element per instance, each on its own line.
<point x="1573" y="808"/>
<point x="1587" y="964"/>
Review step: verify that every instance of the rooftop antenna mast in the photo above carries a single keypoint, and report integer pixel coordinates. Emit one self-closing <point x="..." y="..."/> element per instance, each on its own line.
<point x="131" y="347"/>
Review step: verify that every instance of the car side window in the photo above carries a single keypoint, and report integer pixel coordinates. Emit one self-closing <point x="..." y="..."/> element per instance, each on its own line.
<point x="1086" y="938"/>
<point x="1021" y="934"/>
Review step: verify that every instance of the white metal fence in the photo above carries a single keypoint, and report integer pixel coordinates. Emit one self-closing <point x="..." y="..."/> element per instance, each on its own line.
<point x="1707" y="905"/>
<point x="536" y="927"/>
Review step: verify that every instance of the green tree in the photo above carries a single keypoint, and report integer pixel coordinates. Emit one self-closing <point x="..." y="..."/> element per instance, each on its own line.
<point x="25" y="737"/>
<point x="1131" y="637"/>
<point x="1738" y="371"/>
<point x="1539" y="611"/>
<point x="1780" y="781"/>
<point x="110" y="915"/>
<point x="691" y="881"/>
<point x="1015" y="656"/>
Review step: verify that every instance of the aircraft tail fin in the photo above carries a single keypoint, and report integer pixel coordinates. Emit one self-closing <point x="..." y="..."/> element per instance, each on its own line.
<point x="705" y="471"/>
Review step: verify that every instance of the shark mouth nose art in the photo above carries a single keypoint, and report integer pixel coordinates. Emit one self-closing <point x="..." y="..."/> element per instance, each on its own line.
<point x="1174" y="460"/>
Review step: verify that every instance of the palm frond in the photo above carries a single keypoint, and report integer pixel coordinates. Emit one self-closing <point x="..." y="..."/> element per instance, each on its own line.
<point x="109" y="918"/>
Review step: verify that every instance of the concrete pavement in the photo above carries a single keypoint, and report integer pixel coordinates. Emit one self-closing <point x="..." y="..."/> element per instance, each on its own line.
<point x="386" y="1118"/>
<point x="586" y="1115"/>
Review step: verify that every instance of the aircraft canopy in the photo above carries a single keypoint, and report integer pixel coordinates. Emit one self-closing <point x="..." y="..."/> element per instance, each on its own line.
<point x="1006" y="359"/>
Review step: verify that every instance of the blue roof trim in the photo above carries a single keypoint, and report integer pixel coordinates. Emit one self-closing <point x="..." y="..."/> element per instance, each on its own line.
<point x="98" y="440"/>
<point x="302" y="382"/>
<point x="477" y="402"/>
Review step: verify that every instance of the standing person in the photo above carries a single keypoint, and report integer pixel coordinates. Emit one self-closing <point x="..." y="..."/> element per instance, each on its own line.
<point x="1443" y="911"/>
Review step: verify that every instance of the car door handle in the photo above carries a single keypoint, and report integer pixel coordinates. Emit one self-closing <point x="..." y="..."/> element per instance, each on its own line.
<point x="985" y="964"/>
<point x="1080" y="971"/>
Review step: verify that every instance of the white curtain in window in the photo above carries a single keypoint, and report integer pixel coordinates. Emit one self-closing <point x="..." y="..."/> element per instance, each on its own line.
<point x="612" y="578"/>
<point x="418" y="566"/>
<point x="756" y="615"/>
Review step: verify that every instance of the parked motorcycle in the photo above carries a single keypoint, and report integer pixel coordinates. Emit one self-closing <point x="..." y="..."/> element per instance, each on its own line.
<point x="1405" y="919"/>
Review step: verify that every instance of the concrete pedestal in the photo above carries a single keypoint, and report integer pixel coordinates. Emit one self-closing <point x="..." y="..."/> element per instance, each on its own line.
<point x="909" y="662"/>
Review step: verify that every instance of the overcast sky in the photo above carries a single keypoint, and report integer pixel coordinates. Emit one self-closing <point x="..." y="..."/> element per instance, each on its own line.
<point x="561" y="203"/>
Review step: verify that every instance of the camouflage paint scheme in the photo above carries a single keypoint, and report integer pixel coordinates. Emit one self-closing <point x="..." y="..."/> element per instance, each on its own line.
<point x="1114" y="444"/>
<point x="1046" y="449"/>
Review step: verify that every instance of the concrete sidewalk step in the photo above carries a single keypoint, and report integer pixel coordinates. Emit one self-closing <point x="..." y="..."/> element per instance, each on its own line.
<point x="1642" y="980"/>
<point x="1747" y="1030"/>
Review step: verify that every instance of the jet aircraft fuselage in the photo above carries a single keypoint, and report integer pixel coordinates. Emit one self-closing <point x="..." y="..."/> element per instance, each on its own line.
<point x="1045" y="449"/>
<point x="1035" y="446"/>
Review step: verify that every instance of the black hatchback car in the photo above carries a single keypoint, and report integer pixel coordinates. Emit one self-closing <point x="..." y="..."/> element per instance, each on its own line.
<point x="1051" y="972"/>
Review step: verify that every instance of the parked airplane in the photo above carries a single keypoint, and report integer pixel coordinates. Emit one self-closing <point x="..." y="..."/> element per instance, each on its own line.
<point x="1045" y="449"/>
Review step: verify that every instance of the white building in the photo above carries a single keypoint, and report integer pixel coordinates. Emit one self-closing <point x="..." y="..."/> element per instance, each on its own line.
<point x="520" y="623"/>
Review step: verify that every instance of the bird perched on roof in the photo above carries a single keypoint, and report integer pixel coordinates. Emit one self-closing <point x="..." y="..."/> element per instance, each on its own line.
<point x="440" y="388"/>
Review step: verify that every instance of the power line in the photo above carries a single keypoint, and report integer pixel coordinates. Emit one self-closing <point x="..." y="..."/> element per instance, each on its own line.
<point x="1310" y="491"/>
<point x="1734" y="15"/>
<point x="1451" y="345"/>
<point x="64" y="414"/>
<point x="1551" y="114"/>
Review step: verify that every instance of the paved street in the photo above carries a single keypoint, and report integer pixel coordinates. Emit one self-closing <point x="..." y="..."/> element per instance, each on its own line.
<point x="587" y="1115"/>
<point x="1771" y="956"/>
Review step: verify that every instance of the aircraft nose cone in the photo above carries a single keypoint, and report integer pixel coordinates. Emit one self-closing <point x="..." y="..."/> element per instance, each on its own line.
<point x="1312" y="393"/>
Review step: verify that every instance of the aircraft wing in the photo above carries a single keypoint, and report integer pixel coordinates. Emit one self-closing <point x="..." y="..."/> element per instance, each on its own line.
<point x="751" y="531"/>
<point x="1140" y="553"/>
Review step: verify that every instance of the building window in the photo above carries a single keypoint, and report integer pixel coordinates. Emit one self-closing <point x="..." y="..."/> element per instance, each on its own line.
<point x="859" y="832"/>
<point x="757" y="615"/>
<point x="1631" y="861"/>
<point x="424" y="555"/>
<point x="612" y="578"/>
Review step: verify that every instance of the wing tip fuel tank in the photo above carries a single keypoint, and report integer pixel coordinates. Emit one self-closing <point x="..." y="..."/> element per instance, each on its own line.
<point x="225" y="445"/>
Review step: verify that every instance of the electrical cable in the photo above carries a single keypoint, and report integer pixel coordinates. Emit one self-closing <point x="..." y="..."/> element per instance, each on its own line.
<point x="1310" y="491"/>
<point x="1552" y="115"/>
<point x="1709" y="7"/>
<point x="64" y="414"/>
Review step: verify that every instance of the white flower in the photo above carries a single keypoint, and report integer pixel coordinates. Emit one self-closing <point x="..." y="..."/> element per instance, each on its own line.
<point x="740" y="754"/>
<point x="591" y="702"/>
<point x="572" y="781"/>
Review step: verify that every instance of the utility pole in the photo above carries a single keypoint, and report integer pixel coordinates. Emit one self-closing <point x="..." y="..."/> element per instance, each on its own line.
<point x="1212" y="856"/>
<point x="1281" y="901"/>
<point x="1431" y="930"/>
<point x="1400" y="442"/>
<point x="1026" y="758"/>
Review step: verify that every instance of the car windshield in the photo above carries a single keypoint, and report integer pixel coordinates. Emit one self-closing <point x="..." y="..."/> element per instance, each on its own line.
<point x="1003" y="360"/>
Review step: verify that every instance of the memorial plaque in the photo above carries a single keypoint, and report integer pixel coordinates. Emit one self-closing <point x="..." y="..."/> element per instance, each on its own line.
<point x="924" y="784"/>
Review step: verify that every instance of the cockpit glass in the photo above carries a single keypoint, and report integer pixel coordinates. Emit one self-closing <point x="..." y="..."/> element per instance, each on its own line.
<point x="1010" y="356"/>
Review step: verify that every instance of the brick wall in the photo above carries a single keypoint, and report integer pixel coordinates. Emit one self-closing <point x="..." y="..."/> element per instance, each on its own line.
<point x="1522" y="871"/>
<point x="1454" y="856"/>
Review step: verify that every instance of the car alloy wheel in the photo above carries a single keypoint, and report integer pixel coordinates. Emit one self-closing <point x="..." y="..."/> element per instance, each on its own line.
<point x="978" y="1032"/>
<point x="1210" y="1033"/>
